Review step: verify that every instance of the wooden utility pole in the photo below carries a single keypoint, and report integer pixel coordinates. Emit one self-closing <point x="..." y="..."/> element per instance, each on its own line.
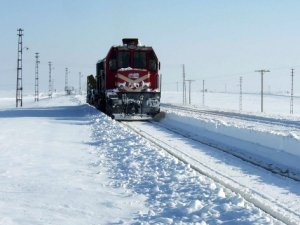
<point x="292" y="93"/>
<point x="183" y="86"/>
<point x="50" y="80"/>
<point x="66" y="80"/>
<point x="79" y="88"/>
<point x="241" y="94"/>
<point x="262" y="88"/>
<point x="190" y="89"/>
<point x="203" y="92"/>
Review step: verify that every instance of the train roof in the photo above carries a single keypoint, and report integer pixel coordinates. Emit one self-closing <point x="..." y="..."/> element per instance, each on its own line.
<point x="132" y="43"/>
<point x="121" y="47"/>
<point x="128" y="44"/>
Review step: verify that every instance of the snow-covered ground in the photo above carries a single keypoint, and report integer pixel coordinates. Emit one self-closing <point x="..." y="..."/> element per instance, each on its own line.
<point x="273" y="104"/>
<point x="49" y="169"/>
<point x="63" y="162"/>
<point x="269" y="138"/>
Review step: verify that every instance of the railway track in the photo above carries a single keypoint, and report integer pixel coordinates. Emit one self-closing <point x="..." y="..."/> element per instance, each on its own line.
<point x="251" y="118"/>
<point x="282" y="213"/>
<point x="265" y="165"/>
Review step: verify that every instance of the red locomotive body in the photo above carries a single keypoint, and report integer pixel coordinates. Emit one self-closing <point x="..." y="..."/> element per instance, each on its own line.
<point x="127" y="82"/>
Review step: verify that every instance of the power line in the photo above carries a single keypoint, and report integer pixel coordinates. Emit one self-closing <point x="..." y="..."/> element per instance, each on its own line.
<point x="245" y="73"/>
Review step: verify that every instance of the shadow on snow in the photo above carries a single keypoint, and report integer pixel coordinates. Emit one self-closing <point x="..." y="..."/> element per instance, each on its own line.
<point x="60" y="112"/>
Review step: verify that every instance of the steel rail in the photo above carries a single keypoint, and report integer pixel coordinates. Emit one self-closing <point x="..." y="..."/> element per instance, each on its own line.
<point x="241" y="116"/>
<point x="283" y="214"/>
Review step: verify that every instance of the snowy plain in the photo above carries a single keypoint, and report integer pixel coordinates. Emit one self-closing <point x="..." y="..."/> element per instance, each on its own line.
<point x="63" y="162"/>
<point x="49" y="169"/>
<point x="273" y="136"/>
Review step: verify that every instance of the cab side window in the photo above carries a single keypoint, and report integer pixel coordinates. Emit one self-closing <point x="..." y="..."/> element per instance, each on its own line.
<point x="152" y="61"/>
<point x="113" y="62"/>
<point x="100" y="68"/>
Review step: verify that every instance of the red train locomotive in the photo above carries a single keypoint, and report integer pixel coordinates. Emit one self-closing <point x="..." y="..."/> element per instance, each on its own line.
<point x="127" y="83"/>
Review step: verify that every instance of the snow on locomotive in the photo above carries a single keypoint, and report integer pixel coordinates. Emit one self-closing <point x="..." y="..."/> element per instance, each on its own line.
<point x="127" y="83"/>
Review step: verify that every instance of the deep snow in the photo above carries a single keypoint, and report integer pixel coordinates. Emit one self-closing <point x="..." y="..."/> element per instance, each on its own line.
<point x="251" y="102"/>
<point x="272" y="139"/>
<point x="63" y="162"/>
<point x="49" y="169"/>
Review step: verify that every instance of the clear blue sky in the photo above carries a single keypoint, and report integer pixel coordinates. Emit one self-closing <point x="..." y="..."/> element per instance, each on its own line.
<point x="217" y="40"/>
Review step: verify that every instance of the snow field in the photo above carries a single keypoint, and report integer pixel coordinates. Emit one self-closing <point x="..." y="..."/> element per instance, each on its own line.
<point x="49" y="172"/>
<point x="273" y="104"/>
<point x="63" y="162"/>
<point x="175" y="194"/>
<point x="264" y="145"/>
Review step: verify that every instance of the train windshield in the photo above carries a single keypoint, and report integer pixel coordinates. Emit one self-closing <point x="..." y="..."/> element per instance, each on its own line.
<point x="140" y="60"/>
<point x="123" y="59"/>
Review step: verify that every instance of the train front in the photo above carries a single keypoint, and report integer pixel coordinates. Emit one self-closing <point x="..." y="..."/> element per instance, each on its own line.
<point x="136" y="92"/>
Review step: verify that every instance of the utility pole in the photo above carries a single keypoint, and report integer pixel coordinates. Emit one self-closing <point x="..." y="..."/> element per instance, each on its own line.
<point x="177" y="86"/>
<point x="262" y="88"/>
<point x="241" y="94"/>
<point x="19" y="88"/>
<point x="292" y="93"/>
<point x="66" y="80"/>
<point x="36" y="85"/>
<point x="203" y="91"/>
<point x="53" y="86"/>
<point x="190" y="89"/>
<point x="183" y="86"/>
<point x="79" y="88"/>
<point x="50" y="80"/>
